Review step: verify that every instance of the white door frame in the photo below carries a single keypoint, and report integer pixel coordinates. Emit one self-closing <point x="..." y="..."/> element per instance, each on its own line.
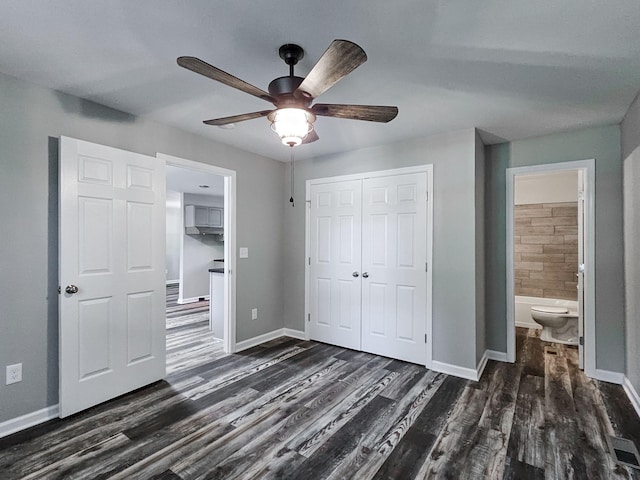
<point x="229" y="239"/>
<point x="428" y="169"/>
<point x="588" y="168"/>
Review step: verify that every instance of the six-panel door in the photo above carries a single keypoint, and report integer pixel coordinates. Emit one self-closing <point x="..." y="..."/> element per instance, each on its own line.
<point x="335" y="256"/>
<point x="112" y="248"/>
<point x="394" y="256"/>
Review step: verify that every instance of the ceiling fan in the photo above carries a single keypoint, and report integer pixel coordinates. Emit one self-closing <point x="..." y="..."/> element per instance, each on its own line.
<point x="294" y="116"/>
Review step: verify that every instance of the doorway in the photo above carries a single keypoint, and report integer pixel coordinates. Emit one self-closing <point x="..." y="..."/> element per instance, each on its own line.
<point x="218" y="239"/>
<point x="538" y="270"/>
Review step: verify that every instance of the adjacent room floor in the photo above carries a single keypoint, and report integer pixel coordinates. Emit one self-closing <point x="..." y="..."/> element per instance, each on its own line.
<point x="305" y="410"/>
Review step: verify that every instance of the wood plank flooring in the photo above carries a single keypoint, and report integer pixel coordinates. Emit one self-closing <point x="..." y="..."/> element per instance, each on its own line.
<point x="290" y="409"/>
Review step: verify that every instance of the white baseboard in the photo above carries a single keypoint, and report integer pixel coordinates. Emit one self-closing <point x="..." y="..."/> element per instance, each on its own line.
<point x="609" y="376"/>
<point x="182" y="301"/>
<point x="469" y="373"/>
<point x="497" y="356"/>
<point x="290" y="332"/>
<point x="632" y="393"/>
<point x="265" y="337"/>
<point x="456" y="371"/>
<point x="29" y="420"/>
<point x="481" y="365"/>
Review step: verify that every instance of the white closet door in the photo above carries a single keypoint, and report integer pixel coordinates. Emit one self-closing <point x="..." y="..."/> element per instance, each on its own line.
<point x="112" y="264"/>
<point x="335" y="259"/>
<point x="394" y="255"/>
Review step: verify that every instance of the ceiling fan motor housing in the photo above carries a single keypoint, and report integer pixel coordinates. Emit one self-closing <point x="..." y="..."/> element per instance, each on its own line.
<point x="282" y="89"/>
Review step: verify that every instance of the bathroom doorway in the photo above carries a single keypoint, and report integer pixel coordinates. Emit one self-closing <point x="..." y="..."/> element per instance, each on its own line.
<point x="550" y="240"/>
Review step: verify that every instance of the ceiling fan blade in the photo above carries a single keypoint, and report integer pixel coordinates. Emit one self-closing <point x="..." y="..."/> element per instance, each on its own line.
<point x="311" y="137"/>
<point x="237" y="118"/>
<point x="203" y="68"/>
<point x="371" y="113"/>
<point x="340" y="59"/>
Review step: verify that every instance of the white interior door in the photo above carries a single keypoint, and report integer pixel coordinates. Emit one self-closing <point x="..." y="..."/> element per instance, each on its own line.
<point x="112" y="249"/>
<point x="394" y="257"/>
<point x="334" y="264"/>
<point x="581" y="260"/>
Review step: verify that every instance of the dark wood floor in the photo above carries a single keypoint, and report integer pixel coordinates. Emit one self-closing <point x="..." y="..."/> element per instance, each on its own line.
<point x="305" y="410"/>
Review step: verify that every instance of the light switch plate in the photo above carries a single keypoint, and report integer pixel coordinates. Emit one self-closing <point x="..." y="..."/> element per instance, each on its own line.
<point x="254" y="314"/>
<point x="244" y="252"/>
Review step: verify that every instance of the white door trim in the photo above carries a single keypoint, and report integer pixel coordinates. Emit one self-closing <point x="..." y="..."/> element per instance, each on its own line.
<point x="588" y="167"/>
<point x="229" y="239"/>
<point x="428" y="169"/>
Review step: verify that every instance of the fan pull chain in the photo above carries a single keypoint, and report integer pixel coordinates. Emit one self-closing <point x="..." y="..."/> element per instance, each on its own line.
<point x="292" y="178"/>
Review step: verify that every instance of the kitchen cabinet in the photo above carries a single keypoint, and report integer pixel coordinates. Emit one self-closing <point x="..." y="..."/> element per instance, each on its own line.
<point x="202" y="216"/>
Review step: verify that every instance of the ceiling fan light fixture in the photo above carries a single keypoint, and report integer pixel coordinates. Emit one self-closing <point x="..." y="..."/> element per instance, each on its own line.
<point x="292" y="124"/>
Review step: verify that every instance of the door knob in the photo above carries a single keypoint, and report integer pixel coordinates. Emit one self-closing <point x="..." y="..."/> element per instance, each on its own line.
<point x="365" y="275"/>
<point x="355" y="274"/>
<point x="71" y="289"/>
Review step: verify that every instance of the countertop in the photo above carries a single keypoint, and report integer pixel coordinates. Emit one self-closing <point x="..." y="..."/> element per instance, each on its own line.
<point x="216" y="270"/>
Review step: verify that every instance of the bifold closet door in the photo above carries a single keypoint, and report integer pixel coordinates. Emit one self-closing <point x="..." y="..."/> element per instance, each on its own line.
<point x="394" y="256"/>
<point x="335" y="259"/>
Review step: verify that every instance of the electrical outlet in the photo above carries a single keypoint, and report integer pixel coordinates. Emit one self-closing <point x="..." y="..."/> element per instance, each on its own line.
<point x="254" y="314"/>
<point x="14" y="373"/>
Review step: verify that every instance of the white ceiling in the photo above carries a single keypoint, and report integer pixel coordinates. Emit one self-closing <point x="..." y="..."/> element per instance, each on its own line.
<point x="192" y="181"/>
<point x="513" y="69"/>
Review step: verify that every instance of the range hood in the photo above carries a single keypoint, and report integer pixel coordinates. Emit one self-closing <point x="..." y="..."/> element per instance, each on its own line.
<point x="204" y="231"/>
<point x="203" y="220"/>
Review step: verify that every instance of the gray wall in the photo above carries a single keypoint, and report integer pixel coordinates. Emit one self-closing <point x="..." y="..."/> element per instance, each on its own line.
<point x="631" y="156"/>
<point x="198" y="252"/>
<point x="481" y="344"/>
<point x="454" y="263"/>
<point x="603" y="144"/>
<point x="31" y="119"/>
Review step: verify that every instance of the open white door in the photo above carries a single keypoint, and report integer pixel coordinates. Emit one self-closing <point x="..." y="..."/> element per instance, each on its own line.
<point x="112" y="268"/>
<point x="334" y="263"/>
<point x="394" y="260"/>
<point x="581" y="262"/>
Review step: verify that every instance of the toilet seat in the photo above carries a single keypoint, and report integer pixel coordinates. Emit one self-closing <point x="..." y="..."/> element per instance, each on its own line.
<point x="549" y="309"/>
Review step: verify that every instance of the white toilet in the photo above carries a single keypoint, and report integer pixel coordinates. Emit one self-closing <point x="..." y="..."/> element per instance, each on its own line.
<point x="559" y="324"/>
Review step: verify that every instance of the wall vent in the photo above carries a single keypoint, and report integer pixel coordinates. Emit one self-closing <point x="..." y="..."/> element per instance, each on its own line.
<point x="624" y="452"/>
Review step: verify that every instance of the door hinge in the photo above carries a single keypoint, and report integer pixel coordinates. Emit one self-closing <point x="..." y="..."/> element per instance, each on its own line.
<point x="581" y="341"/>
<point x="309" y="260"/>
<point x="59" y="290"/>
<point x="425" y="338"/>
<point x="308" y="317"/>
<point x="426" y="266"/>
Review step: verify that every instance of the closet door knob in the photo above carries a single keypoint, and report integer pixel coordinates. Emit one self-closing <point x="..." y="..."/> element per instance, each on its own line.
<point x="355" y="274"/>
<point x="71" y="289"/>
<point x="365" y="275"/>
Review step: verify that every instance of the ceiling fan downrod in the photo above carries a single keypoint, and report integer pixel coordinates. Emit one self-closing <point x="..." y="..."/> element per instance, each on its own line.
<point x="291" y="54"/>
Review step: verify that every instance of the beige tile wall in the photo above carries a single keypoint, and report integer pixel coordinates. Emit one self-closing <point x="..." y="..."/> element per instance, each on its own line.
<point x="546" y="250"/>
